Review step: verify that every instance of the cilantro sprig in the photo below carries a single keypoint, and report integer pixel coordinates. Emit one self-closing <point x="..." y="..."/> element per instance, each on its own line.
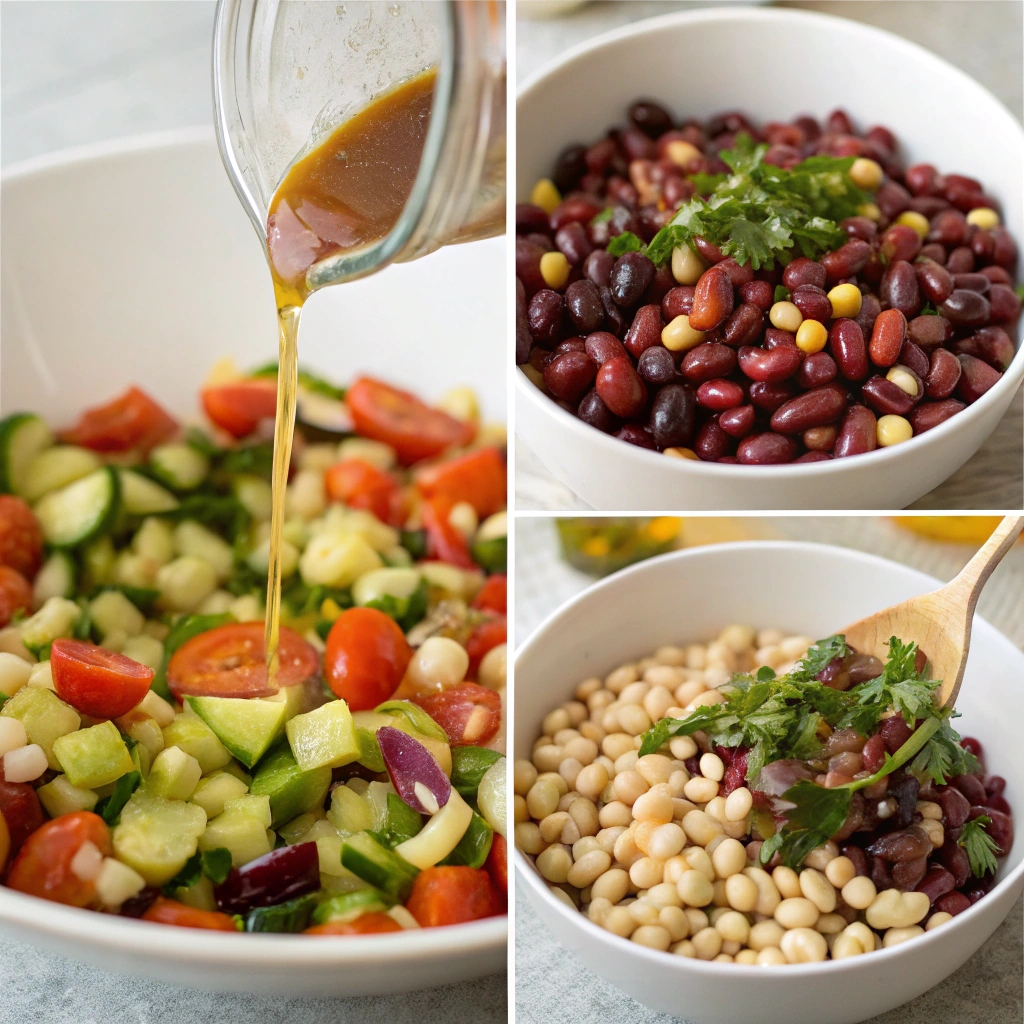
<point x="979" y="846"/>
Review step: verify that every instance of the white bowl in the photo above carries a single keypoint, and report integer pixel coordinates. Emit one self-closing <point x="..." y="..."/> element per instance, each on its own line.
<point x="132" y="262"/>
<point x="773" y="64"/>
<point x="689" y="596"/>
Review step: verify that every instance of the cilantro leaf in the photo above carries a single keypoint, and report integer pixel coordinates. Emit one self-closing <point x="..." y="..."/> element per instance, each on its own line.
<point x="782" y="293"/>
<point x="979" y="846"/>
<point x="109" y="809"/>
<point x="820" y="655"/>
<point x="217" y="864"/>
<point x="943" y="757"/>
<point x="900" y="686"/>
<point x="626" y="242"/>
<point x="817" y="815"/>
<point x="603" y="217"/>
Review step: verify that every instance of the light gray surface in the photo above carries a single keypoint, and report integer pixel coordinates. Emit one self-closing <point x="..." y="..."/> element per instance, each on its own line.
<point x="75" y="73"/>
<point x="552" y="987"/>
<point x="983" y="37"/>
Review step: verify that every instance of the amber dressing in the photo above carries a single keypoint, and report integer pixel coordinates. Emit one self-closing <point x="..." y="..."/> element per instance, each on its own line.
<point x="344" y="195"/>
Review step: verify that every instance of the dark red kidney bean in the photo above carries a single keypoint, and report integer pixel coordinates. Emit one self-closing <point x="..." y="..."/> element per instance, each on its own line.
<point x="892" y="199"/>
<point x="597" y="267"/>
<point x="899" y="288"/>
<point x="280" y="875"/>
<point x="982" y="245"/>
<point x="883" y="137"/>
<point x="20" y="810"/>
<point x="975" y="379"/>
<point x="678" y="301"/>
<point x="929" y="331"/>
<point x="569" y="376"/>
<point x="573" y="243"/>
<point x="922" y="180"/>
<point x="593" y="411"/>
<point x="873" y="753"/>
<point x="577" y="207"/>
<point x="803" y="271"/>
<point x="1004" y="251"/>
<point x="602" y="156"/>
<point x="846" y="340"/>
<point x="813" y="457"/>
<point x="656" y="366"/>
<point x="914" y="357"/>
<point x="839" y="122"/>
<point x="767" y="449"/>
<point x="760" y="294"/>
<point x="813" y="303"/>
<point x="895" y="732"/>
<point x="770" y="365"/>
<point x="616" y="322"/>
<point x="847" y="261"/>
<point x="739" y="273"/>
<point x="1000" y="828"/>
<point x="887" y="337"/>
<point x="569" y="345"/>
<point x="774" y="338"/>
<point x="650" y="117"/>
<point x="943" y="374"/>
<point x="992" y="344"/>
<point x="858" y="227"/>
<point x="931" y="414"/>
<point x="620" y="388"/>
<point x="530" y="218"/>
<point x="956" y="808"/>
<point x="904" y="845"/>
<point x="678" y="191"/>
<point x="707" y="251"/>
<point x="953" y="903"/>
<point x="539" y="358"/>
<point x="953" y="858"/>
<point x="948" y="228"/>
<point x="886" y="398"/>
<point x="870" y="307"/>
<point x="602" y="346"/>
<point x="712" y="442"/>
<point x="821" y="439"/>
<point x="960" y="260"/>
<point x="998" y="803"/>
<point x="997" y="275"/>
<point x="738" y="422"/>
<point x="857" y="855"/>
<point x="770" y="396"/>
<point x="583" y="302"/>
<point x="672" y="416"/>
<point x="743" y="325"/>
<point x="972" y="282"/>
<point x="661" y="284"/>
<point x="934" y="252"/>
<point x="528" y="256"/>
<point x="635" y="434"/>
<point x="644" y="331"/>
<point x="630" y="276"/>
<point x="995" y="785"/>
<point x="900" y="243"/>
<point x="817" y="369"/>
<point x="907" y="875"/>
<point x="719" y="395"/>
<point x="811" y="409"/>
<point x="570" y="166"/>
<point x="636" y="144"/>
<point x="707" y="360"/>
<point x="545" y="315"/>
<point x="542" y="240"/>
<point x="712" y="300"/>
<point x="1005" y="304"/>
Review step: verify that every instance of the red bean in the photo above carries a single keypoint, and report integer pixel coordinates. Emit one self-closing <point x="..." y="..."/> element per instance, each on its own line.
<point x="598" y="267"/>
<point x="997" y="275"/>
<point x="870" y="307"/>
<point x="739" y="273"/>
<point x="573" y="208"/>
<point x="847" y="261"/>
<point x="712" y="300"/>
<point x="528" y="256"/>
<point x="573" y="243"/>
<point x="672" y="416"/>
<point x="960" y="260"/>
<point x="929" y="331"/>
<point x="931" y="414"/>
<point x="907" y="875"/>
<point x="583" y="302"/>
<point x="899" y="288"/>
<point x="1005" y="304"/>
<point x="770" y="396"/>
<point x="738" y="422"/>
<point x="569" y="345"/>
<point x="758" y="293"/>
<point x="545" y="315"/>
<point x="769" y="365"/>
<point x="956" y="808"/>
<point x="712" y="442"/>
<point x="656" y="366"/>
<point x="949" y="228"/>
<point x="886" y="398"/>
<point x="743" y="325"/>
<point x="914" y="357"/>
<point x="602" y="346"/>
<point x="633" y="433"/>
<point x="892" y="199"/>
<point x="953" y="903"/>
<point x="821" y="439"/>
<point x="922" y="180"/>
<point x="1000" y="828"/>
<point x="857" y="227"/>
<point x="943" y="374"/>
<point x="530" y="218"/>
<point x="767" y="449"/>
<point x="644" y="331"/>
<point x="972" y="282"/>
<point x="811" y="409"/>
<point x="650" y="117"/>
<point x="570" y="375"/>
<point x="677" y="302"/>
<point x="846" y="339"/>
<point x="774" y="338"/>
<point x="905" y="845"/>
<point x="616" y="322"/>
<point x="707" y="251"/>
<point x="900" y="243"/>
<point x="887" y="337"/>
<point x="719" y="395"/>
<point x="804" y="271"/>
<point x="592" y="410"/>
<point x="857" y="433"/>
<point x="817" y="369"/>
<point x="1004" y="251"/>
<point x="992" y="344"/>
<point x="977" y="377"/>
<point x="629" y="279"/>
<point x="620" y="388"/>
<point x="813" y="303"/>
<point x="280" y="875"/>
<point x="873" y="753"/>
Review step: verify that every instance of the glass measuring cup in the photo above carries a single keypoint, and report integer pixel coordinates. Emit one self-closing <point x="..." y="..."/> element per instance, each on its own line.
<point x="288" y="72"/>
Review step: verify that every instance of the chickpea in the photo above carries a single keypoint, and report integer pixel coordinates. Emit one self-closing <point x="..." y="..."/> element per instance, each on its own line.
<point x="569" y="768"/>
<point x="698" y="860"/>
<point x="716" y="808"/>
<point x="697" y="919"/>
<point x="685" y="948"/>
<point x="700" y="790"/>
<point x="642" y="832"/>
<point x="614" y="813"/>
<point x="666" y="841"/>
<point x="768" y="896"/>
<point x="811" y="336"/>
<point x="655" y="768"/>
<point x="607" y="836"/>
<point x="625" y="850"/>
<point x="894" y="909"/>
<point x="528" y="838"/>
<point x="787" y="882"/>
<point x="745" y="956"/>
<point x="643" y="911"/>
<point x="542" y="799"/>
<point x="682" y="747"/>
<point x="846" y="301"/>
<point x="915" y="221"/>
<point x="654" y="805"/>
<point x="866" y="173"/>
<point x="935" y="832"/>
<point x="629" y="787"/>
<point x="520" y="812"/>
<point x="903" y="379"/>
<point x="785" y="316"/>
<point x="936" y="920"/>
<point x="983" y="217"/>
<point x="892" y="429"/>
<point x="545" y="195"/>
<point x="615" y="744"/>
<point x="894" y="936"/>
<point x="584" y="814"/>
<point x="673" y="920"/>
<point x="585" y="845"/>
<point x="701" y="828"/>
<point x="738" y="804"/>
<point x="679" y="336"/>
<point x="733" y="927"/>
<point x="729" y="858"/>
<point x="588" y="868"/>
<point x="551" y="826"/>
<point x="547" y="757"/>
<point x="765" y="934"/>
<point x="619" y="921"/>
<point x="707" y="943"/>
<point x="687" y="266"/>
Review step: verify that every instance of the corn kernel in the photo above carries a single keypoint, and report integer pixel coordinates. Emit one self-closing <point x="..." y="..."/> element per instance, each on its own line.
<point x="870" y="210"/>
<point x="915" y="220"/>
<point x="679" y="336"/>
<point x="903" y="379"/>
<point x="983" y="217"/>
<point x="680" y="453"/>
<point x="681" y="152"/>
<point x="545" y="195"/>
<point x="846" y="300"/>
<point x="866" y="174"/>
<point x="893" y="430"/>
<point x="554" y="268"/>
<point x="785" y="316"/>
<point x="811" y="336"/>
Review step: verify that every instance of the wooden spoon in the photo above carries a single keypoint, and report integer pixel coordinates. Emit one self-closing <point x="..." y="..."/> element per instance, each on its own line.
<point x="939" y="622"/>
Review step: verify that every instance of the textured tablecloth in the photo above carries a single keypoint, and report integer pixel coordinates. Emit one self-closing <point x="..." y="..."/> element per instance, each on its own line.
<point x="73" y="73"/>
<point x="983" y="37"/>
<point x="552" y="986"/>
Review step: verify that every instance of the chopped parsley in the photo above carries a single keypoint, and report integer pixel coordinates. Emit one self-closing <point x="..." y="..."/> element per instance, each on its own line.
<point x="782" y="293"/>
<point x="627" y="242"/>
<point x="979" y="846"/>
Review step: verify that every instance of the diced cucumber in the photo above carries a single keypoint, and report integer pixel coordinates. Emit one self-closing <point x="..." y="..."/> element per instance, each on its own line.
<point x="195" y="737"/>
<point x="60" y="797"/>
<point x="349" y="812"/>
<point x="111" y="610"/>
<point x="215" y="790"/>
<point x="192" y="538"/>
<point x="239" y="832"/>
<point x="146" y="650"/>
<point x="491" y="555"/>
<point x="57" y="467"/>
<point x="144" y="729"/>
<point x="55" y="579"/>
<point x="179" y="466"/>
<point x="475" y="844"/>
<point x="374" y="863"/>
<point x="174" y="774"/>
<point x="440" y="835"/>
<point x="402" y="822"/>
<point x="234" y="768"/>
<point x="297" y="700"/>
<point x="200" y="895"/>
<point x="291" y="790"/>
<point x="58" y="617"/>
<point x="99" y="560"/>
<point x="45" y="717"/>
<point x="400" y="584"/>
<point x="347" y="906"/>
<point x="256" y="805"/>
<point x="256" y="496"/>
<point x="141" y="496"/>
<point x="246" y="726"/>
<point x="293" y="831"/>
<point x="93" y="757"/>
<point x="156" y="836"/>
<point x="325" y="737"/>
<point x="469" y="764"/>
<point x="369" y="749"/>
<point x="82" y="511"/>
<point x="292" y="916"/>
<point x="22" y="437"/>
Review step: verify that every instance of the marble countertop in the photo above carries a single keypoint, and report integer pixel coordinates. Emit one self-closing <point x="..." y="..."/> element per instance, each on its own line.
<point x="983" y="37"/>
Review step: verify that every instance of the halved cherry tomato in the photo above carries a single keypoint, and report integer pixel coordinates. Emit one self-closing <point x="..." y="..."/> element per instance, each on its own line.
<point x="360" y="485"/>
<point x="20" y="809"/>
<point x="414" y="429"/>
<point x="230" y="661"/>
<point x="97" y="682"/>
<point x="15" y="594"/>
<point x="367" y="655"/>
<point x="133" y="420"/>
<point x="469" y="714"/>
<point x="43" y="867"/>
<point x="452" y="895"/>
<point x="444" y="542"/>
<point x="165" y="911"/>
<point x="488" y="635"/>
<point x="497" y="864"/>
<point x="479" y="478"/>
<point x="493" y="595"/>
<point x="365" y="924"/>
<point x="21" y="539"/>
<point x="239" y="406"/>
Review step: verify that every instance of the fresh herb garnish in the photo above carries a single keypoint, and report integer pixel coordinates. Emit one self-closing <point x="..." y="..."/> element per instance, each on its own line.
<point x="214" y="864"/>
<point x="109" y="809"/>
<point x="979" y="846"/>
<point x="1020" y="291"/>
<point x="943" y="757"/>
<point x="782" y="293"/>
<point x="627" y="242"/>
<point x="928" y="310"/>
<point x="900" y="686"/>
<point x="603" y="217"/>
<point x="306" y="380"/>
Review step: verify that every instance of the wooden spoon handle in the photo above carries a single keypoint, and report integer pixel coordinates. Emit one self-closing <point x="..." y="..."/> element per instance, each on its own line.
<point x="974" y="575"/>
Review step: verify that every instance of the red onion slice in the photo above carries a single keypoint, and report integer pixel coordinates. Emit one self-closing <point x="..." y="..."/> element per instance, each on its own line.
<point x="416" y="776"/>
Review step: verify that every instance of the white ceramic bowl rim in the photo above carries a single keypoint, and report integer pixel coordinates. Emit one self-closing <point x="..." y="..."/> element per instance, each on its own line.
<point x="1008" y="383"/>
<point x="549" y="631"/>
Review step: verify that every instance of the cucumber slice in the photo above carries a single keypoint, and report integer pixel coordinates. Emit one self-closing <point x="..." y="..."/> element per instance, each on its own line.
<point x="474" y="846"/>
<point x="55" y="579"/>
<point x="292" y="791"/>
<point x="82" y="511"/>
<point x="57" y="467"/>
<point x="246" y="726"/>
<point x="93" y="757"/>
<point x="179" y="466"/>
<point x="45" y="717"/>
<point x="292" y="916"/>
<point x="156" y="837"/>
<point x="60" y="797"/>
<point x="347" y="906"/>
<point x="257" y="806"/>
<point x="325" y="737"/>
<point x="195" y="737"/>
<point x="216" y="790"/>
<point x="374" y="863"/>
<point x="174" y="774"/>
<point x="22" y="437"/>
<point x="239" y="832"/>
<point x="141" y="496"/>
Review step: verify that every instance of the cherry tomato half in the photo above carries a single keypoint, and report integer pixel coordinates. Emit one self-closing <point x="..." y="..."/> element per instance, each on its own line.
<point x="97" y="682"/>
<point x="444" y="541"/>
<point x="230" y="661"/>
<point x="239" y="406"/>
<point x="15" y="594"/>
<point x="452" y="895"/>
<point x="133" y="420"/>
<point x="479" y="478"/>
<point x="366" y="658"/>
<point x="165" y="911"/>
<point x="43" y="867"/>
<point x="469" y="714"/>
<point x="21" y="539"/>
<point x="485" y="637"/>
<point x="493" y="595"/>
<point x="365" y="924"/>
<point x="360" y="485"/>
<point x="414" y="429"/>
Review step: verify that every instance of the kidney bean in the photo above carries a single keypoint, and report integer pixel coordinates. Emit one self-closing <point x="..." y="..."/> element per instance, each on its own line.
<point x="758" y="293"/>
<point x="592" y="410"/>
<point x="817" y="369"/>
<point x="712" y="442"/>
<point x="956" y="808"/>
<point x="569" y="345"/>
<point x="969" y="743"/>
<point x="995" y="785"/>
<point x="931" y="414"/>
<point x="998" y="803"/>
<point x="813" y="303"/>
<point x="847" y="261"/>
<point x="923" y="180"/>
<point x="620" y="388"/>
<point x="932" y="251"/>
<point x="960" y="260"/>
<point x="769" y="365"/>
<point x="953" y="858"/>
<point x="982" y="245"/>
<point x="707" y="360"/>
<point x="768" y="396"/>
<point x="616" y="322"/>
<point x="887" y="398"/>
<point x="820" y="440"/>
<point x="672" y="416"/>
<point x="895" y="732"/>
<point x="597" y="267"/>
<point x="976" y="378"/>
<point x="892" y="199"/>
<point x="545" y="315"/>
<point x="953" y="903"/>
<point x="908" y="875"/>
<point x="738" y="422"/>
<point x="633" y="433"/>
<point x="873" y="753"/>
<point x="905" y="789"/>
<point x="712" y="300"/>
<point x="929" y="331"/>
<point x="1004" y="250"/>
<point x="775" y="338"/>
<point x="739" y="273"/>
<point x="282" y="874"/>
<point x="992" y="344"/>
<point x="971" y="787"/>
<point x="914" y="357"/>
<point x="583" y="303"/>
<point x="887" y="337"/>
<point x="854" y="819"/>
<point x="767" y="449"/>
<point x="707" y="251"/>
<point x="943" y="374"/>
<point x="719" y="395"/>
<point x="972" y="283"/>
<point x="858" y="227"/>
<point x="636" y="144"/>
<point x="573" y="208"/>
<point x="846" y="340"/>
<point x="569" y="376"/>
<point x="650" y="117"/>
<point x="572" y="241"/>
<point x="528" y="256"/>
<point x="870" y="307"/>
<point x="630" y="276"/>
<point x="1005" y="304"/>
<point x="530" y="218"/>
<point x="948" y="228"/>
<point x="656" y="366"/>
<point x="996" y="275"/>
<point x="857" y="433"/>
<point x="539" y="358"/>
<point x="602" y="346"/>
<point x="811" y="409"/>
<point x="1000" y="828"/>
<point x="570" y="166"/>
<point x="743" y="325"/>
<point x="900" y="244"/>
<point x="603" y="155"/>
<point x="644" y="331"/>
<point x="678" y="301"/>
<point x="899" y="288"/>
<point x="803" y="271"/>
<point x="524" y="339"/>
